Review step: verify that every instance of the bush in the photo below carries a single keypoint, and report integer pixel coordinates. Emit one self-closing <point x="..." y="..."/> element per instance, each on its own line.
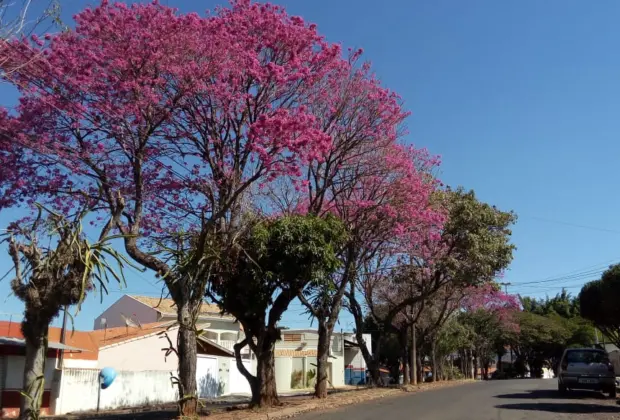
<point x="296" y="379"/>
<point x="452" y="373"/>
<point x="310" y="377"/>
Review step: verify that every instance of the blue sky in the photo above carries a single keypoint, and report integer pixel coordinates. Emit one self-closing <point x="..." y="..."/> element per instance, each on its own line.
<point x="520" y="98"/>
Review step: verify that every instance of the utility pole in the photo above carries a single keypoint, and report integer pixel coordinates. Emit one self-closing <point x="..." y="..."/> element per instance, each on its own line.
<point x="63" y="336"/>
<point x="505" y="286"/>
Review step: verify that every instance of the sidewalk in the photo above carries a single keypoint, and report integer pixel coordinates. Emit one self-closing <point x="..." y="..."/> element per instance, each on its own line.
<point x="236" y="407"/>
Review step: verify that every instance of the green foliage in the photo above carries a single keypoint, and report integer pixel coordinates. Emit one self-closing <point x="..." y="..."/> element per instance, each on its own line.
<point x="296" y="379"/>
<point x="310" y="377"/>
<point x="563" y="304"/>
<point x="599" y="303"/>
<point x="452" y="372"/>
<point x="486" y="333"/>
<point x="283" y="255"/>
<point x="547" y="327"/>
<point x="478" y="236"/>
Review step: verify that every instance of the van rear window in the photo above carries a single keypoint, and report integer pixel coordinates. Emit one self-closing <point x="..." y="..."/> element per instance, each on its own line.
<point x="586" y="356"/>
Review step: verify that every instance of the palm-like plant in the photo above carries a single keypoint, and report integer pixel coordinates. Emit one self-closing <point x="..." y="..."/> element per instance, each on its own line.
<point x="48" y="278"/>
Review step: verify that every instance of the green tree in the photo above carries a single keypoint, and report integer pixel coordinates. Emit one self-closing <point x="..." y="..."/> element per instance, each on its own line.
<point x="540" y="341"/>
<point x="272" y="262"/>
<point x="474" y="247"/>
<point x="599" y="303"/>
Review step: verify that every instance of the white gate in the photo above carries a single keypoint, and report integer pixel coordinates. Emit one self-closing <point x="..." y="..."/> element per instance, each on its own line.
<point x="207" y="377"/>
<point x="238" y="384"/>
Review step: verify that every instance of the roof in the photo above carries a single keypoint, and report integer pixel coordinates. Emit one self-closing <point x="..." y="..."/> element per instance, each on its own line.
<point x="109" y="336"/>
<point x="295" y="353"/>
<point x="211" y="347"/>
<point x="75" y="339"/>
<point x="168" y="307"/>
<point x="20" y="342"/>
<point x="86" y="344"/>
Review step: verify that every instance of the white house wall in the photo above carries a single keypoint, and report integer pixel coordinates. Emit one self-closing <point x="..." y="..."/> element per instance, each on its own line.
<point x="284" y="369"/>
<point x="80" y="364"/>
<point x="127" y="306"/>
<point x="79" y="387"/>
<point x="140" y="354"/>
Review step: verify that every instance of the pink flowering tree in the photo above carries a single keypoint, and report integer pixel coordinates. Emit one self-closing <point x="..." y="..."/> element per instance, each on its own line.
<point x="489" y="313"/>
<point x="378" y="188"/>
<point x="161" y="123"/>
<point x="472" y="247"/>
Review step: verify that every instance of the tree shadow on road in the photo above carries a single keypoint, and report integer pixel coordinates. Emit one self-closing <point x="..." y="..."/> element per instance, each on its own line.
<point x="551" y="394"/>
<point x="574" y="408"/>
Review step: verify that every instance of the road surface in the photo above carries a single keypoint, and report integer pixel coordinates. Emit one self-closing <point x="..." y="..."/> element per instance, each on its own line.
<point x="521" y="399"/>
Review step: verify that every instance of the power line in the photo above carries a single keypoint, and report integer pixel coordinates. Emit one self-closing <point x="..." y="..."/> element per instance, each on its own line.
<point x="572" y="275"/>
<point x="559" y="222"/>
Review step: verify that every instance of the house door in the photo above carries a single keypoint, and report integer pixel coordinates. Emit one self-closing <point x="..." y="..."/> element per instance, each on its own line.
<point x="224" y="375"/>
<point x="207" y="380"/>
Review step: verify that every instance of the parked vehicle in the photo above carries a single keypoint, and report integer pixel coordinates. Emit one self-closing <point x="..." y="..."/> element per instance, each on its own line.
<point x="586" y="368"/>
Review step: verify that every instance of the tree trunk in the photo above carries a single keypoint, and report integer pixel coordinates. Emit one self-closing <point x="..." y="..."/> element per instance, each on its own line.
<point x="34" y="368"/>
<point x="402" y="339"/>
<point x="434" y="369"/>
<point x="186" y="348"/>
<point x="264" y="391"/>
<point x="406" y="376"/>
<point x="320" y="389"/>
<point x="372" y="363"/>
<point x="420" y="368"/>
<point x="499" y="362"/>
<point x="475" y="367"/>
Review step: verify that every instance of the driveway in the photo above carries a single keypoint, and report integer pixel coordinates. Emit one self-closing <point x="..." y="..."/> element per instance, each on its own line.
<point x="521" y="399"/>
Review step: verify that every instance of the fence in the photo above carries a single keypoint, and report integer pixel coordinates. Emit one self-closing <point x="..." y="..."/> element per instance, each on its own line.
<point x="79" y="388"/>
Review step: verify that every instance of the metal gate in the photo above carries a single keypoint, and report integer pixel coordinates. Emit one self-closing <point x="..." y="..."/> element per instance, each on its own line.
<point x="207" y="378"/>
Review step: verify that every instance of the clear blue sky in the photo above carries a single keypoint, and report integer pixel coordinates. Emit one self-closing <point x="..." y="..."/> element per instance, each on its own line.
<point x="520" y="98"/>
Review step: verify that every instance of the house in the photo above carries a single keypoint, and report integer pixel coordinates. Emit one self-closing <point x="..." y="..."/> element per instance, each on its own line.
<point x="145" y="369"/>
<point x="77" y="351"/>
<point x="217" y="372"/>
<point x="354" y="363"/>
<point x="296" y="356"/>
<point x="132" y="345"/>
<point x="139" y="310"/>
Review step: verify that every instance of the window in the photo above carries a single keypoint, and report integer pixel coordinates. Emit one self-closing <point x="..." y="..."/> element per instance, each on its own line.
<point x="586" y="356"/>
<point x="291" y="337"/>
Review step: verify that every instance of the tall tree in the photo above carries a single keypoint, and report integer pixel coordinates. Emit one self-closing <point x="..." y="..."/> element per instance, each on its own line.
<point x="473" y="247"/>
<point x="263" y="274"/>
<point x="363" y="177"/>
<point x="599" y="303"/>
<point x="166" y="121"/>
<point x="49" y="278"/>
<point x="386" y="202"/>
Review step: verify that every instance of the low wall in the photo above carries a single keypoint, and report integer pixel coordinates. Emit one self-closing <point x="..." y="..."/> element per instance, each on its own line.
<point x="79" y="387"/>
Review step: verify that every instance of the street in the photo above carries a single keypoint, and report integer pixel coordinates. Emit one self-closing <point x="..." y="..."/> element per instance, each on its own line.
<point x="531" y="399"/>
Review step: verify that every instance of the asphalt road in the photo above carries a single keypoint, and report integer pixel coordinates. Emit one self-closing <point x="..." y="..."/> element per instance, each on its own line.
<point x="521" y="399"/>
